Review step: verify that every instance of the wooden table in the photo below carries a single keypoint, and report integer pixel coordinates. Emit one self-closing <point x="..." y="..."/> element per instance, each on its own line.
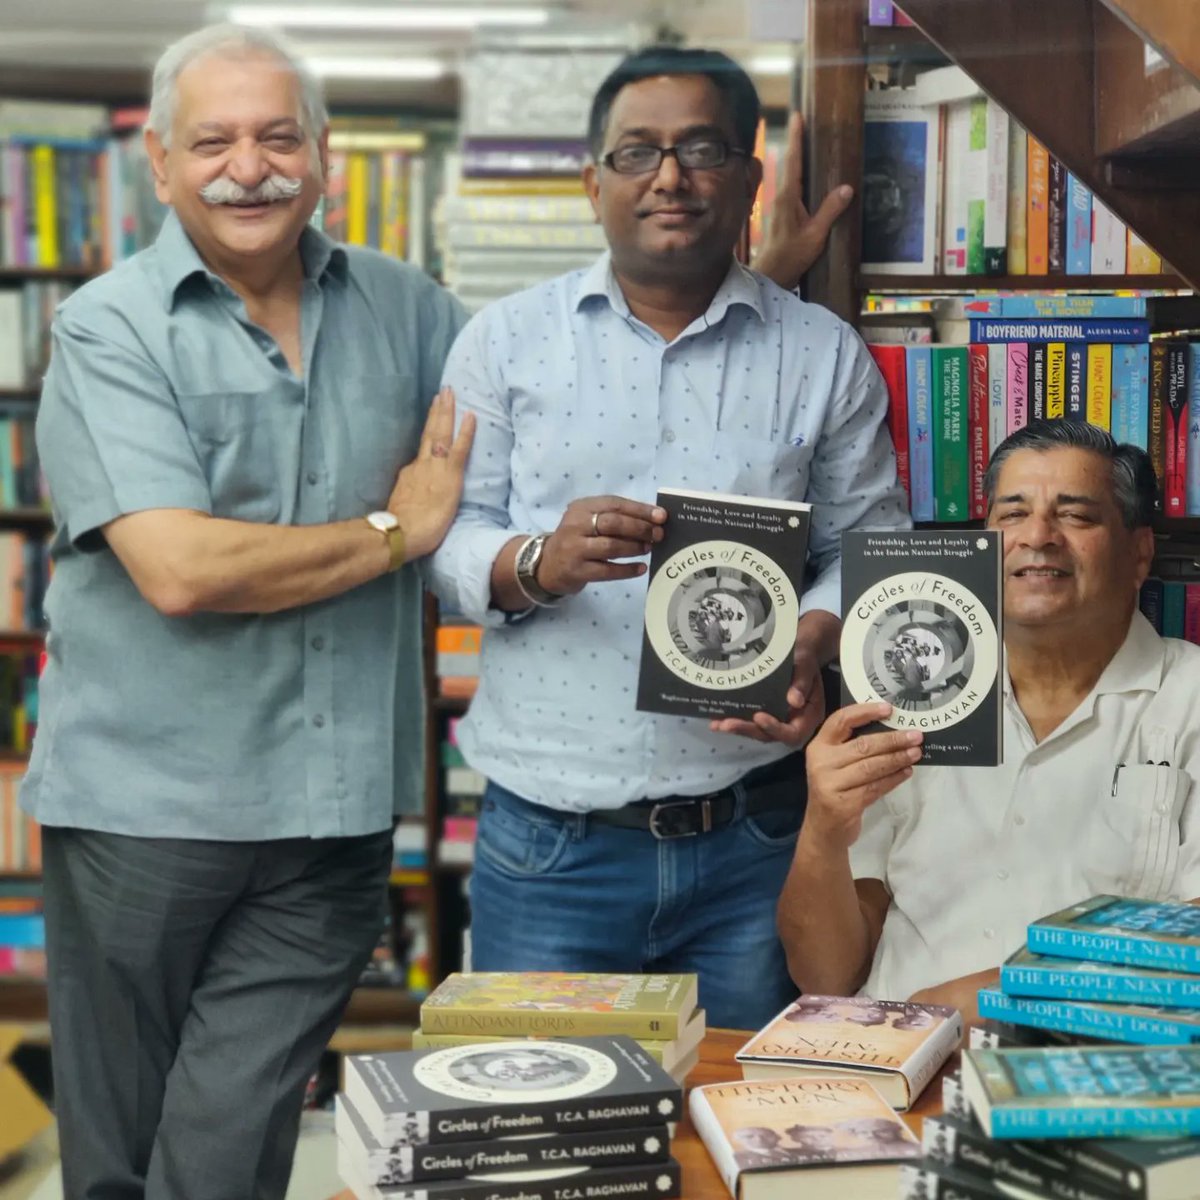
<point x="716" y="1065"/>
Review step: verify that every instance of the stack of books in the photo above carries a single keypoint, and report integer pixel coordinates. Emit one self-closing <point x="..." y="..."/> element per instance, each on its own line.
<point x="658" y="1011"/>
<point x="584" y="1118"/>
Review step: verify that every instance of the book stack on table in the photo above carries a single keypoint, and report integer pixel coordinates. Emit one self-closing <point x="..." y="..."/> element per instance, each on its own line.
<point x="1085" y="1082"/>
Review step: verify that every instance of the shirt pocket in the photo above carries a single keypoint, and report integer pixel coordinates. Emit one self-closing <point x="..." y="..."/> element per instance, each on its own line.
<point x="757" y="466"/>
<point x="384" y="418"/>
<point x="1132" y="843"/>
<point x="241" y="440"/>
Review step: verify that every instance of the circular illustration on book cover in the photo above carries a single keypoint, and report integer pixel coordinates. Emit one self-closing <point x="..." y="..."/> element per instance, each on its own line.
<point x="515" y="1072"/>
<point x="923" y="643"/>
<point x="721" y="614"/>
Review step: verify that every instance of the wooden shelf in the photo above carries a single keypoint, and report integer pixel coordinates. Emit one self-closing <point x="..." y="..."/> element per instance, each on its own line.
<point x="1004" y="283"/>
<point x="29" y="394"/>
<point x="381" y="1005"/>
<point x="19" y="274"/>
<point x="23" y="999"/>
<point x="34" y="518"/>
<point x="454" y="705"/>
<point x="32" y="636"/>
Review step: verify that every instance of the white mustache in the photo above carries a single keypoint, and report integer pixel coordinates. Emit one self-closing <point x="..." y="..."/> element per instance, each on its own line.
<point x="227" y="191"/>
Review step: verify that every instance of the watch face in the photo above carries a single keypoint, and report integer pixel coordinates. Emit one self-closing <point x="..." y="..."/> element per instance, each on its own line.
<point x="384" y="521"/>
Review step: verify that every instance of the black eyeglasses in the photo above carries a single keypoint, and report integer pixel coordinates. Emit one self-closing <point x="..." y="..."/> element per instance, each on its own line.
<point x="696" y="154"/>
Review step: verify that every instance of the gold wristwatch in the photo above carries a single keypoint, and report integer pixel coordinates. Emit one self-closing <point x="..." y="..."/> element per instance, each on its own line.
<point x="389" y="526"/>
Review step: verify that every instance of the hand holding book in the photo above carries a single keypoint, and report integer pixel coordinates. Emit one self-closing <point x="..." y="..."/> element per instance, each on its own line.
<point x="595" y="531"/>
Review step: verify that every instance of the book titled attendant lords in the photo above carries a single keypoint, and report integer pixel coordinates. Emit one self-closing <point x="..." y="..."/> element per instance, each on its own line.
<point x="897" y="1045"/>
<point x="921" y="630"/>
<point x="786" y="1138"/>
<point x="722" y="606"/>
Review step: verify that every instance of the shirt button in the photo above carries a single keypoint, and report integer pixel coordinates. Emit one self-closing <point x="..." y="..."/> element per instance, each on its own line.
<point x="1018" y="820"/>
<point x="318" y="643"/>
<point x="312" y="477"/>
<point x="989" y="933"/>
<point x="1002" y="874"/>
<point x="669" y="436"/>
<point x="319" y="721"/>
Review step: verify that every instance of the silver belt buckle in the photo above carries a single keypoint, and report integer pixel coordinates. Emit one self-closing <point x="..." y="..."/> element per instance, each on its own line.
<point x="667" y="835"/>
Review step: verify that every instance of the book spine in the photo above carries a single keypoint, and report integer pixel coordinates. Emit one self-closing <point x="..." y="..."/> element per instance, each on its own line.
<point x="1092" y="1161"/>
<point x="1017" y="416"/>
<point x="951" y="458"/>
<point x="1100" y="986"/>
<point x="1174" y="615"/>
<point x="1139" y="258"/>
<point x="988" y="329"/>
<point x="1079" y="227"/>
<point x="1037" y="382"/>
<point x="1099" y="385"/>
<point x="1052" y="308"/>
<point x="1076" y="407"/>
<point x="1037" y="207"/>
<point x="930" y="1055"/>
<point x="1090" y="1020"/>
<point x="920" y="432"/>
<point x="956" y="210"/>
<point x="1056" y="381"/>
<point x="1191" y="613"/>
<point x="663" y="1025"/>
<point x="1193" y="424"/>
<point x="1041" y="1121"/>
<point x="995" y="216"/>
<point x="1056" y="256"/>
<point x="709" y="1131"/>
<point x="1157" y="445"/>
<point x="978" y="383"/>
<point x="1138" y="360"/>
<point x="977" y="187"/>
<point x="1108" y="240"/>
<point x="1150" y="601"/>
<point x="997" y="398"/>
<point x="1018" y="191"/>
<point x="926" y="1182"/>
<point x="645" y="1180"/>
<point x="1176" y="433"/>
<point x="1110" y="947"/>
<point x="891" y="363"/>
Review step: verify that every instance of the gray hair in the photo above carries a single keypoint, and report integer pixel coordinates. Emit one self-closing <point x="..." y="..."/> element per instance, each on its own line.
<point x="1135" y="485"/>
<point x="231" y="41"/>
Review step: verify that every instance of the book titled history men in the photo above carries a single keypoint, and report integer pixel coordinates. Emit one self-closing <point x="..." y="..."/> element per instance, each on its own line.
<point x="922" y="631"/>
<point x="722" y="605"/>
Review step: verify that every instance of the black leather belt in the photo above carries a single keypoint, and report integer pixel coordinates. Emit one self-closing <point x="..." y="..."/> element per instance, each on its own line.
<point x="773" y="788"/>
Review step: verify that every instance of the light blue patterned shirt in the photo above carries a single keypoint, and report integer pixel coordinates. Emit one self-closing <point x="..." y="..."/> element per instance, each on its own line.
<point x="162" y="393"/>
<point x="763" y="395"/>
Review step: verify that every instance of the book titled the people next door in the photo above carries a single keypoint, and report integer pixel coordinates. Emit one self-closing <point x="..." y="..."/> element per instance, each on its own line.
<point x="722" y="605"/>
<point x="921" y="630"/>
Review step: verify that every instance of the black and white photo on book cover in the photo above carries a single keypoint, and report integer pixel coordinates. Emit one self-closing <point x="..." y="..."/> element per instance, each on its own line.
<point x="722" y="605"/>
<point x="922" y="631"/>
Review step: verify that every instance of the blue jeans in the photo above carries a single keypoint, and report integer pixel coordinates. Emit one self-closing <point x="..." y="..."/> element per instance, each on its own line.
<point x="555" y="891"/>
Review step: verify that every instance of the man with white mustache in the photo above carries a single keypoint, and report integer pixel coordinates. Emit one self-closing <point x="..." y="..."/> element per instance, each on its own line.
<point x="231" y="708"/>
<point x="916" y="882"/>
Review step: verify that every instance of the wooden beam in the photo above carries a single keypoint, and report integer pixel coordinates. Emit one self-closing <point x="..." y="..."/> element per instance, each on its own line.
<point x="1172" y="27"/>
<point x="834" y="87"/>
<point x="1037" y="60"/>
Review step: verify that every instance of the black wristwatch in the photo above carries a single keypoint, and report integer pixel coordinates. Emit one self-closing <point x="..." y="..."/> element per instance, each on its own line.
<point x="528" y="557"/>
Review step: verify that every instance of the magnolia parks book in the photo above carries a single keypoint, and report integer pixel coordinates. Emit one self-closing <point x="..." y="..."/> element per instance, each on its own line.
<point x="722" y="605"/>
<point x="921" y="630"/>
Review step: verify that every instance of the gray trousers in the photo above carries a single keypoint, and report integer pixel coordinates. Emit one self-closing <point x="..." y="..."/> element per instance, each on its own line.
<point x="193" y="988"/>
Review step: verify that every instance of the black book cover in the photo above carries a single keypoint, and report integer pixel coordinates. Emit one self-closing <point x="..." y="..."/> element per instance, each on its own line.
<point x="498" y="1089"/>
<point x="722" y="605"/>
<point x="933" y="1180"/>
<point x="1076" y="407"/>
<point x="921" y="630"/>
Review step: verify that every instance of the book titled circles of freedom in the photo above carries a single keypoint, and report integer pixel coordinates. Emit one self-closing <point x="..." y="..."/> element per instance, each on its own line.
<point x="921" y="614"/>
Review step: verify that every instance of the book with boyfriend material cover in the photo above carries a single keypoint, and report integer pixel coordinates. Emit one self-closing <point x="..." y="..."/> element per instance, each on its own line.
<point x="785" y="1138"/>
<point x="1029" y="974"/>
<point x="1085" y="1091"/>
<point x="922" y="631"/>
<point x="465" y="1093"/>
<point x="560" y="1004"/>
<point x="1117" y="929"/>
<point x="722" y="606"/>
<point x="898" y="1046"/>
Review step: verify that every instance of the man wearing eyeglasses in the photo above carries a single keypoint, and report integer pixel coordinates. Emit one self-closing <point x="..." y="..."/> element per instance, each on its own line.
<point x="664" y="364"/>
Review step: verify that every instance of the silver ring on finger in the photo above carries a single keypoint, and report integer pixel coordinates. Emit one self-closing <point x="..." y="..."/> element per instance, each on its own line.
<point x="595" y="524"/>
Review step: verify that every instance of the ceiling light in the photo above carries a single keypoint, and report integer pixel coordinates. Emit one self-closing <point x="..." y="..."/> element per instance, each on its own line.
<point x="771" y="64"/>
<point x="395" y="16"/>
<point x="377" y="68"/>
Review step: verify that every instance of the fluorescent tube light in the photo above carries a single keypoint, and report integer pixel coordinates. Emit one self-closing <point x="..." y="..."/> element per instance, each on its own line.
<point x="394" y="16"/>
<point x="770" y="64"/>
<point x="377" y="68"/>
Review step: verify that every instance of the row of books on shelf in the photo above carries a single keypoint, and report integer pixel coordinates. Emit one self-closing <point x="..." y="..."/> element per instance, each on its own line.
<point x="20" y="667"/>
<point x="457" y="648"/>
<point x="462" y="789"/>
<point x="401" y="956"/>
<point x="951" y="405"/>
<point x="1172" y="606"/>
<point x="952" y="186"/>
<point x="26" y="314"/>
<point x="25" y="571"/>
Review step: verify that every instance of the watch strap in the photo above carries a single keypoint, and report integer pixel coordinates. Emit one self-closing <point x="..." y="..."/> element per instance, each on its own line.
<point x="528" y="557"/>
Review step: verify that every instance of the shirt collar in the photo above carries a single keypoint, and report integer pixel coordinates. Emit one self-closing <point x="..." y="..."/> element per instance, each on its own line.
<point x="741" y="286"/>
<point x="179" y="260"/>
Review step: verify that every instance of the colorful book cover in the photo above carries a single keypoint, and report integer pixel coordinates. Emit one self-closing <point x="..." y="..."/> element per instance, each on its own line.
<point x="1057" y="218"/>
<point x="1191" y="613"/>
<point x="1006" y="329"/>
<point x="920" y="431"/>
<point x="1076" y="402"/>
<point x="1048" y="308"/>
<point x="1139" y="258"/>
<point x="1108" y="240"/>
<point x="1018" y="191"/>
<point x="1099" y="385"/>
<point x="1174" y="609"/>
<point x="995" y="213"/>
<point x="1143" y="933"/>
<point x="951" y="473"/>
<point x="880" y="12"/>
<point x="891" y="361"/>
<point x="997" y="403"/>
<point x="1157" y="444"/>
<point x="1017" y="416"/>
<point x="956" y="208"/>
<point x="1026" y="973"/>
<point x="521" y="1003"/>
<point x="1176" y="433"/>
<point x="1193" y="425"/>
<point x="1056" y="381"/>
<point x="1131" y="394"/>
<point x="977" y="186"/>
<point x="1037" y="381"/>
<point x="1133" y="1023"/>
<point x="978" y="399"/>
<point x="1037" y="207"/>
<point x="897" y="1046"/>
<point x="1085" y="1091"/>
<point x="1079" y="227"/>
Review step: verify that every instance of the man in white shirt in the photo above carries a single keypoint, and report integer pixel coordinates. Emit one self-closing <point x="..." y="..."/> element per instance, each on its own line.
<point x="913" y="881"/>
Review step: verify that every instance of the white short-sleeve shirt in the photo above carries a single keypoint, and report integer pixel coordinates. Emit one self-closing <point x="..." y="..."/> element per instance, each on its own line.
<point x="1105" y="803"/>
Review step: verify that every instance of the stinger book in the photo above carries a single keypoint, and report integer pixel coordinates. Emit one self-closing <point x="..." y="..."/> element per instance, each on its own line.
<point x="722" y="606"/>
<point x="921" y="630"/>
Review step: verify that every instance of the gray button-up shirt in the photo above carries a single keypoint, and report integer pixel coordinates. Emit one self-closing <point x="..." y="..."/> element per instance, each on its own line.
<point x="161" y="393"/>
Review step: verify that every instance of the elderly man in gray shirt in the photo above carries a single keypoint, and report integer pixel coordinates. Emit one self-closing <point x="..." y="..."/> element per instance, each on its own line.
<point x="231" y="706"/>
